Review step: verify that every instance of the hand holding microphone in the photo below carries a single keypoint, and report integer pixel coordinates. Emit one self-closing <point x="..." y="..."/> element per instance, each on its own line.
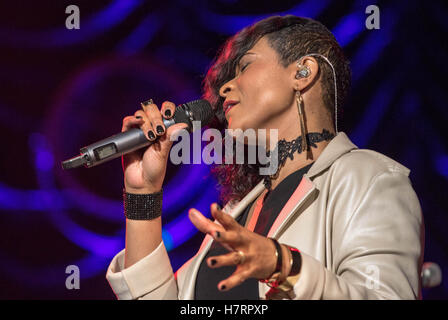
<point x="144" y="172"/>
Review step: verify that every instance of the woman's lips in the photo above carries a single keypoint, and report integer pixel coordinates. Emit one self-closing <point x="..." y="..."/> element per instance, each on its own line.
<point x="229" y="107"/>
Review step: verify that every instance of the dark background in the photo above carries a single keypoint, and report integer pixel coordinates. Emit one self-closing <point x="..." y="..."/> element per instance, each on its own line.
<point x="63" y="89"/>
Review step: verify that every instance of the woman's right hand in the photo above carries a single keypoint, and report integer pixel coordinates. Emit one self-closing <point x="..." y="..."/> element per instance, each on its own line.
<point x="144" y="170"/>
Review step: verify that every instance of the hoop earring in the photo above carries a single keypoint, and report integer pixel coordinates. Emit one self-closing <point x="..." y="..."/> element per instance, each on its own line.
<point x="299" y="101"/>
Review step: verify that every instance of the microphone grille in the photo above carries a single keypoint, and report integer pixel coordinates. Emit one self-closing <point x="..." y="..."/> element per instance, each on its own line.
<point x="202" y="111"/>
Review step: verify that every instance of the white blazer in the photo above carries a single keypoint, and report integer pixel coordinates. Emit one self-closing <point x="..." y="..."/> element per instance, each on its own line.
<point x="355" y="218"/>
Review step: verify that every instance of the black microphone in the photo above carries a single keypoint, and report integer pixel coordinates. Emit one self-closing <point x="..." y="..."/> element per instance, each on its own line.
<point x="119" y="144"/>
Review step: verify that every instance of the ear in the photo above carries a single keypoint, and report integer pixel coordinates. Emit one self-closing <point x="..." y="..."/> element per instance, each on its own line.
<point x="304" y="73"/>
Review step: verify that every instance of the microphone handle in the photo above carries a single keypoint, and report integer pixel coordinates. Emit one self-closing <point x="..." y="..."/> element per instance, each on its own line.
<point x="112" y="147"/>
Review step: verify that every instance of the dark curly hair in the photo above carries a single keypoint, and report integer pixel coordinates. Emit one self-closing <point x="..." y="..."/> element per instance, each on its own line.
<point x="291" y="37"/>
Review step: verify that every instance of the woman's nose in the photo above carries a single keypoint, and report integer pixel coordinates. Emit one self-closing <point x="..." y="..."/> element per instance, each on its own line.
<point x="225" y="88"/>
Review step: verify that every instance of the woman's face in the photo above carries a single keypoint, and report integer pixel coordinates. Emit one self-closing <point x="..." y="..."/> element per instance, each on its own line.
<point x="263" y="89"/>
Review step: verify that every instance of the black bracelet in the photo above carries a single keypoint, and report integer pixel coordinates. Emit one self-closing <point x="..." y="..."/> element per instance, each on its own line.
<point x="296" y="261"/>
<point x="278" y="248"/>
<point x="142" y="206"/>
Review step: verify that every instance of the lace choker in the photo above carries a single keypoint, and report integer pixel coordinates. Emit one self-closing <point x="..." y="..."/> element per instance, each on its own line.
<point x="287" y="149"/>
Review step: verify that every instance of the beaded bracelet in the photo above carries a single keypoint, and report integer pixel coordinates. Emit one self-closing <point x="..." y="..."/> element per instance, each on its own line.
<point x="142" y="206"/>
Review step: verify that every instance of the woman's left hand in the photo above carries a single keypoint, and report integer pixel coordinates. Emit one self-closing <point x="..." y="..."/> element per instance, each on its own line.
<point x="252" y="254"/>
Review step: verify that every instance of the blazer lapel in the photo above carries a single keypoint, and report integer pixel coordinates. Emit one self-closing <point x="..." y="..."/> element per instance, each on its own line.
<point x="298" y="198"/>
<point x="339" y="146"/>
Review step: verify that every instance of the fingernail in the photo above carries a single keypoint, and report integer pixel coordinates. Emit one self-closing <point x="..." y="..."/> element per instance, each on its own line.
<point x="147" y="102"/>
<point x="138" y="117"/>
<point x="151" y="135"/>
<point x="223" y="287"/>
<point x="218" y="234"/>
<point x="193" y="212"/>
<point x="213" y="262"/>
<point x="159" y="129"/>
<point x="218" y="207"/>
<point x="168" y="112"/>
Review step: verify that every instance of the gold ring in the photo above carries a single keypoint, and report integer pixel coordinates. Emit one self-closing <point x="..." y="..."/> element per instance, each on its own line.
<point x="242" y="257"/>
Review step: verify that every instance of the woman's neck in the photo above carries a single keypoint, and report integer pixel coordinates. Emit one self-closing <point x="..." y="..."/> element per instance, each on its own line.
<point x="302" y="159"/>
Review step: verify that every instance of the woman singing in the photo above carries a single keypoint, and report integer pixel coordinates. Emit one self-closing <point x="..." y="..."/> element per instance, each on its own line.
<point x="333" y="222"/>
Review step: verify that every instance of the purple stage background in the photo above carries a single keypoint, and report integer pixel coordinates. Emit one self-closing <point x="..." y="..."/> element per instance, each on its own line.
<point x="63" y="89"/>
